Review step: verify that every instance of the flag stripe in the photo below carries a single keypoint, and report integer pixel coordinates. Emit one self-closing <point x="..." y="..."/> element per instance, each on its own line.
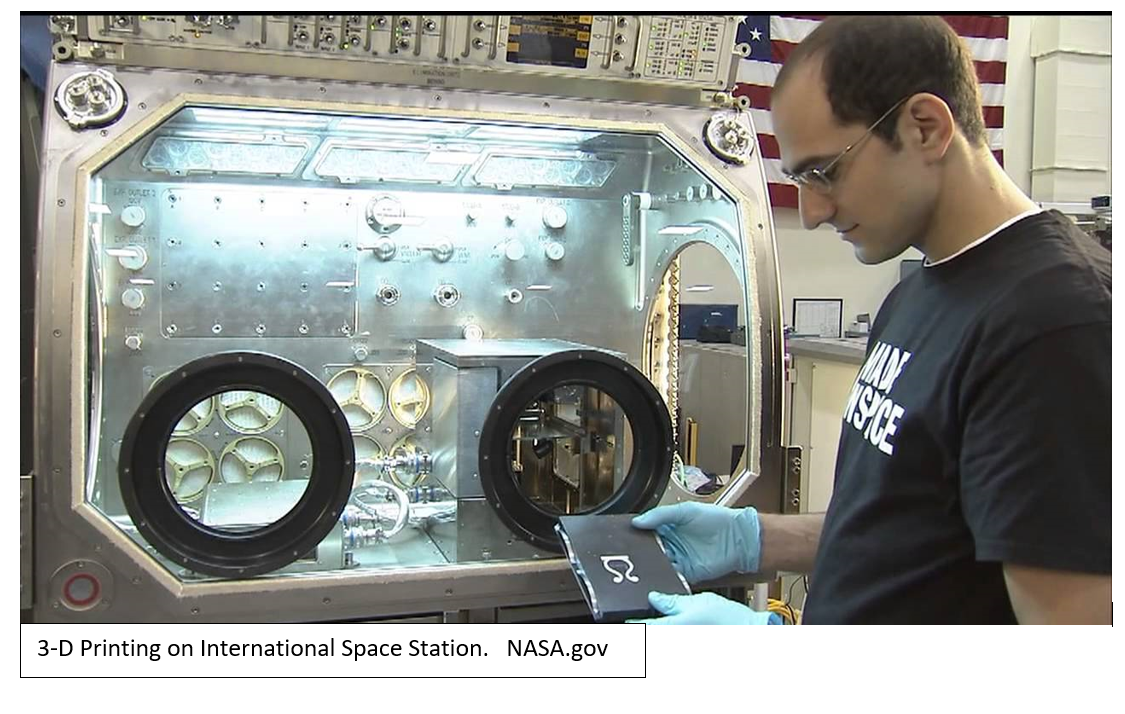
<point x="764" y="74"/>
<point x="987" y="72"/>
<point x="760" y="103"/>
<point x="986" y="37"/>
<point x="795" y="28"/>
<point x="767" y="142"/>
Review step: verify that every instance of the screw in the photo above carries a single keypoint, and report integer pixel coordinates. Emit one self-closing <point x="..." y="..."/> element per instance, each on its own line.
<point x="103" y="132"/>
<point x="142" y="105"/>
<point x="198" y="80"/>
<point x="62" y="202"/>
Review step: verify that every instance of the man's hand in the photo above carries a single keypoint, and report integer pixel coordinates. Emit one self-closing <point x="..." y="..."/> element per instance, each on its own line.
<point x="704" y="609"/>
<point x="705" y="542"/>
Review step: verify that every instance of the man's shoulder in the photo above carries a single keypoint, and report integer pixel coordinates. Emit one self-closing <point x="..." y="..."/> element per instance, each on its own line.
<point x="1049" y="276"/>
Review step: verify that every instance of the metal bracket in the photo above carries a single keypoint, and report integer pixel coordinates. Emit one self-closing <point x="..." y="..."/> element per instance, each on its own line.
<point x="791" y="488"/>
<point x="26" y="534"/>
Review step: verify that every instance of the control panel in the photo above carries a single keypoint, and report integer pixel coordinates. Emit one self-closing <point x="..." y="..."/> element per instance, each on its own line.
<point x="687" y="52"/>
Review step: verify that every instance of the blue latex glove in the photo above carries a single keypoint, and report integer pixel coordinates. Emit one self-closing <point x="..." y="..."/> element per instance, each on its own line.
<point x="705" y="609"/>
<point x="705" y="542"/>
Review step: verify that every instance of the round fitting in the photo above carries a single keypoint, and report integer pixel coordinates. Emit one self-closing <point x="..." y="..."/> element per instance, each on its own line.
<point x="82" y="585"/>
<point x="644" y="410"/>
<point x="472" y="332"/>
<point x="409" y="398"/>
<point x="729" y="138"/>
<point x="362" y="396"/>
<point x="514" y="296"/>
<point x="514" y="250"/>
<point x="447" y="295"/>
<point x="385" y="214"/>
<point x="388" y="295"/>
<point x="133" y="298"/>
<point x="385" y="249"/>
<point x="442" y="250"/>
<point x="90" y="99"/>
<point x="554" y="217"/>
<point x="555" y="250"/>
<point x="134" y="259"/>
<point x="133" y="216"/>
<point x="163" y="522"/>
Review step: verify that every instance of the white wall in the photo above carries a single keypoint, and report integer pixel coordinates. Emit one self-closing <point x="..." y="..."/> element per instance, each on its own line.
<point x="820" y="264"/>
<point x="817" y="264"/>
<point x="700" y="265"/>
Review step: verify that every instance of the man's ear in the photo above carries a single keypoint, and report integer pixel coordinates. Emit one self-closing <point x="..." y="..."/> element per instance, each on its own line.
<point x="927" y="125"/>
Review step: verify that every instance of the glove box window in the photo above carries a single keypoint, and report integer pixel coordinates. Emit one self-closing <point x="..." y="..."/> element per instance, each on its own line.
<point x="411" y="267"/>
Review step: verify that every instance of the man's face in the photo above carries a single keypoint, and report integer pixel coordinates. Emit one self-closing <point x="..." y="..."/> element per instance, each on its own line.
<point x="881" y="199"/>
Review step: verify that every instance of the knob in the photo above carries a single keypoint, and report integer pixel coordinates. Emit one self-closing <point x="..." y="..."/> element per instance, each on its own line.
<point x="360" y="353"/>
<point x="441" y="250"/>
<point x="619" y="39"/>
<point x="133" y="299"/>
<point x="430" y="25"/>
<point x="514" y="250"/>
<point x="133" y="342"/>
<point x="479" y="25"/>
<point x="329" y="38"/>
<point x="385" y="249"/>
<point x="554" y="217"/>
<point x="303" y="36"/>
<point x="555" y="250"/>
<point x="473" y="215"/>
<point x="477" y="43"/>
<point x="133" y="216"/>
<point x="510" y="217"/>
<point x="135" y="259"/>
<point x="473" y="332"/>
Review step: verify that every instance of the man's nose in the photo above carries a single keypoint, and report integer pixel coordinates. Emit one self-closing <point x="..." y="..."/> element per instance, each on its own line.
<point x="815" y="208"/>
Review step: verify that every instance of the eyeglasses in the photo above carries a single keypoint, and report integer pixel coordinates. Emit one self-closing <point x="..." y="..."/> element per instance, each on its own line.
<point x="821" y="180"/>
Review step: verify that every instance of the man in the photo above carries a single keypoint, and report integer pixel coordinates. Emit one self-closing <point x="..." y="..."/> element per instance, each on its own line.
<point x="973" y="473"/>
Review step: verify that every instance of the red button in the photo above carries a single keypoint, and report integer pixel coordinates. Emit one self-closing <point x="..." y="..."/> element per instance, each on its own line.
<point x="81" y="589"/>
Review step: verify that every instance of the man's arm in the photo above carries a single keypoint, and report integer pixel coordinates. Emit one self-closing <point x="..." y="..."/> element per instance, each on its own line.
<point x="789" y="542"/>
<point x="1058" y="597"/>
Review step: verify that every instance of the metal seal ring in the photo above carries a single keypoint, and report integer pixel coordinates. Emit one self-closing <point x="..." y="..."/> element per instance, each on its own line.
<point x="152" y="505"/>
<point x="653" y="445"/>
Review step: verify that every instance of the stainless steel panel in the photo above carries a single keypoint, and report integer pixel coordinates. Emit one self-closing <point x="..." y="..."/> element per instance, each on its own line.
<point x="27" y="543"/>
<point x="593" y="300"/>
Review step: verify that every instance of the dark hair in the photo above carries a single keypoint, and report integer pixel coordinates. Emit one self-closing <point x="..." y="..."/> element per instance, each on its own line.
<point x="870" y="62"/>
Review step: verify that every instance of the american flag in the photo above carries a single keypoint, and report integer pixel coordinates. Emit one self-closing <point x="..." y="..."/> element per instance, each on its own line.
<point x="773" y="37"/>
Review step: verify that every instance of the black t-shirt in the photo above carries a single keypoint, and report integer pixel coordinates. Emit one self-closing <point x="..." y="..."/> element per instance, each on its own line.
<point x="977" y="434"/>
